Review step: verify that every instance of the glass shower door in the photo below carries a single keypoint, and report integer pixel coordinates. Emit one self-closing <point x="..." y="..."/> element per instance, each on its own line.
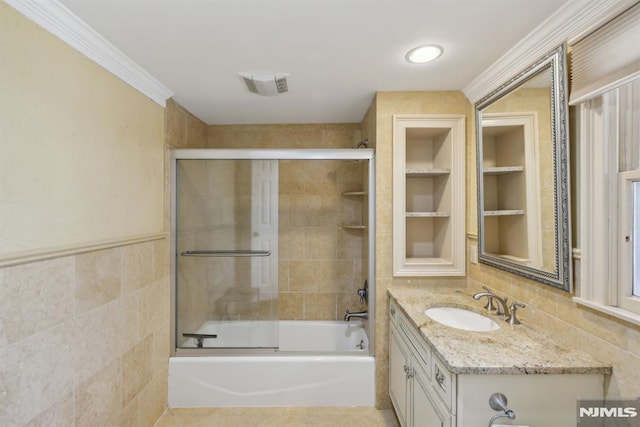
<point x="226" y="253"/>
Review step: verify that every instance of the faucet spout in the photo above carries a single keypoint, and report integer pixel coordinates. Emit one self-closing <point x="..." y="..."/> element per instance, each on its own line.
<point x="503" y="309"/>
<point x="359" y="315"/>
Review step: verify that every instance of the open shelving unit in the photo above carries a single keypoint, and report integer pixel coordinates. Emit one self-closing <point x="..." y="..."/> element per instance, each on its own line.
<point x="509" y="180"/>
<point x="428" y="195"/>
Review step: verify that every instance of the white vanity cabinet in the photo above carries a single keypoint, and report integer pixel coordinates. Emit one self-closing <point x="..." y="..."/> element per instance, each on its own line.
<point x="425" y="393"/>
<point x="414" y="396"/>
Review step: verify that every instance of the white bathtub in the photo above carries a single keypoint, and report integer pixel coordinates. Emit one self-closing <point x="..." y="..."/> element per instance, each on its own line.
<point x="320" y="363"/>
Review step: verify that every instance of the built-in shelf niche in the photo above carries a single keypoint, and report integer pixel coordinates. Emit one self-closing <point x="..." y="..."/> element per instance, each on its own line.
<point x="428" y="195"/>
<point x="354" y="194"/>
<point x="510" y="173"/>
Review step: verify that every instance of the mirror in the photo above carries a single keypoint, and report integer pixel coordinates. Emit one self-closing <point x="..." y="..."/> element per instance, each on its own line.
<point x="521" y="134"/>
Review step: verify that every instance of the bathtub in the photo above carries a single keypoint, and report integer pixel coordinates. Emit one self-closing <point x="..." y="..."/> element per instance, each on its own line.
<point x="319" y="363"/>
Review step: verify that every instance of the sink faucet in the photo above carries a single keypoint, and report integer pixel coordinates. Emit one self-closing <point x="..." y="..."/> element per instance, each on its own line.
<point x="359" y="315"/>
<point x="503" y="309"/>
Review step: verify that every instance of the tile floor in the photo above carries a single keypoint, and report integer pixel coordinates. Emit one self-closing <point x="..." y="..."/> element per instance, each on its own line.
<point x="278" y="417"/>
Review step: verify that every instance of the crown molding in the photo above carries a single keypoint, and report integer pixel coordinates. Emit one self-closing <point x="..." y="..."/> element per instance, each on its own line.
<point x="61" y="22"/>
<point x="574" y="20"/>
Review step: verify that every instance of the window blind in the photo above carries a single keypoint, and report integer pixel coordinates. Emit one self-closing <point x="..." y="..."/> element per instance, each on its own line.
<point x="607" y="58"/>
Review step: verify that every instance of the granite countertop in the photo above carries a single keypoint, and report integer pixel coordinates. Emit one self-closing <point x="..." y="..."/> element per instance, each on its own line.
<point x="512" y="349"/>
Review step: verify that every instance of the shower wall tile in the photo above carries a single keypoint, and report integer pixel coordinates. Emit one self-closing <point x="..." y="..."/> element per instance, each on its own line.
<point x="320" y="306"/>
<point x="291" y="306"/>
<point x="320" y="243"/>
<point x="305" y="276"/>
<point x="79" y="344"/>
<point x="317" y="259"/>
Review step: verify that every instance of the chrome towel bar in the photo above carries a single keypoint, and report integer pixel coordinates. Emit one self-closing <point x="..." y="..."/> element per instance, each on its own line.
<point x="230" y="253"/>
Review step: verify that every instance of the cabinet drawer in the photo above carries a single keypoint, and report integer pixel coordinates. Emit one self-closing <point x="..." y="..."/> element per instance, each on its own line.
<point x="417" y="342"/>
<point x="444" y="383"/>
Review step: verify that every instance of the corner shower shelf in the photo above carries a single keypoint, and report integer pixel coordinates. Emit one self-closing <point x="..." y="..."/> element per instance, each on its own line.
<point x="354" y="193"/>
<point x="499" y="170"/>
<point x="354" y="227"/>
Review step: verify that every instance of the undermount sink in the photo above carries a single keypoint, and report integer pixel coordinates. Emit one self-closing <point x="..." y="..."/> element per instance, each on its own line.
<point x="462" y="319"/>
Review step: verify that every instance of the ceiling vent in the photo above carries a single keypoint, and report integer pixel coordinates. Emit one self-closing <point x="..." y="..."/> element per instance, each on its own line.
<point x="265" y="84"/>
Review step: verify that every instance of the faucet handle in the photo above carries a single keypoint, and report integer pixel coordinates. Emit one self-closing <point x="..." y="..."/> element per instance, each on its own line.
<point x="489" y="306"/>
<point x="512" y="319"/>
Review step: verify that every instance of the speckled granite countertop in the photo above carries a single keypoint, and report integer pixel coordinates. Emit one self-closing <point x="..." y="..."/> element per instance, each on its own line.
<point x="512" y="349"/>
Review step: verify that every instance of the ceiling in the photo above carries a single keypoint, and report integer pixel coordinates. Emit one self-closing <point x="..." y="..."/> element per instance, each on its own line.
<point x="337" y="53"/>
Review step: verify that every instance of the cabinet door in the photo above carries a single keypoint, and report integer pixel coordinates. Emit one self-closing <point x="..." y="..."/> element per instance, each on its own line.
<point x="398" y="381"/>
<point x="427" y="410"/>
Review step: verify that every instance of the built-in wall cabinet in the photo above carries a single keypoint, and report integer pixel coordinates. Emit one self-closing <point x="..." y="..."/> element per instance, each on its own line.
<point x="511" y="207"/>
<point x="428" y="195"/>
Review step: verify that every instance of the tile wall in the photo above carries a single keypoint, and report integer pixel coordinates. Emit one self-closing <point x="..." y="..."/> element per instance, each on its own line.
<point x="320" y="263"/>
<point x="85" y="338"/>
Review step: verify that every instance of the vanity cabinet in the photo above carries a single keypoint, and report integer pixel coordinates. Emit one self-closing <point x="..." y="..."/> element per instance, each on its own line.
<point x="425" y="393"/>
<point x="428" y="195"/>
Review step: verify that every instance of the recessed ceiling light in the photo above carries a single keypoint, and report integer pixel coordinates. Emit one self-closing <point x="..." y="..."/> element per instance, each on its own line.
<point x="422" y="54"/>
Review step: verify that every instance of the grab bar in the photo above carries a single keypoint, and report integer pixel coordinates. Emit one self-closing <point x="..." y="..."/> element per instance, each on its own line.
<point x="199" y="337"/>
<point x="230" y="253"/>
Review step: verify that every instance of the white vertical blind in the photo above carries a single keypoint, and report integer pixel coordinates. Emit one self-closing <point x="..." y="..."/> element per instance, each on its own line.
<point x="607" y="58"/>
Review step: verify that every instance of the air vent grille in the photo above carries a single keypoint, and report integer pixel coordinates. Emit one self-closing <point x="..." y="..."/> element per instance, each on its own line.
<point x="265" y="84"/>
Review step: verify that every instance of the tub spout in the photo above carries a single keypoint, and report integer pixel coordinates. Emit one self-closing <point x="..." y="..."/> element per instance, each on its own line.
<point x="359" y="315"/>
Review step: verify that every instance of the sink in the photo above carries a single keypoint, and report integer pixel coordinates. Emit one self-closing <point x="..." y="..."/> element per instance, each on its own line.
<point x="462" y="319"/>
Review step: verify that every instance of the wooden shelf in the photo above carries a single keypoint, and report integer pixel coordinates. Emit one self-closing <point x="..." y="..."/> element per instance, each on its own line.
<point x="500" y="170"/>
<point x="427" y="214"/>
<point x="426" y="172"/>
<point x="504" y="212"/>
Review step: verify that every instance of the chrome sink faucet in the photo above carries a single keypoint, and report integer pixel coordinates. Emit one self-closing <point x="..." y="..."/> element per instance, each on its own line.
<point x="502" y="309"/>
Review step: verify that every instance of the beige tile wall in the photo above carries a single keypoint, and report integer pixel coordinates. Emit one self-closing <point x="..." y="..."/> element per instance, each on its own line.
<point x="84" y="338"/>
<point x="320" y="263"/>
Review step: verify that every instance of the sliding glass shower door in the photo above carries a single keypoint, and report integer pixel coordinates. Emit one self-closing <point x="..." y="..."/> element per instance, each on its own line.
<point x="226" y="228"/>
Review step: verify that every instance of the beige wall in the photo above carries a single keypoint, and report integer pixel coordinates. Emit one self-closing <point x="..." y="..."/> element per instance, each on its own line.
<point x="84" y="337"/>
<point x="64" y="117"/>
<point x="385" y="105"/>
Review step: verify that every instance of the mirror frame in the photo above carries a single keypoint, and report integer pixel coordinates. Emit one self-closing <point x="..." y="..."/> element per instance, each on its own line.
<point x="561" y="277"/>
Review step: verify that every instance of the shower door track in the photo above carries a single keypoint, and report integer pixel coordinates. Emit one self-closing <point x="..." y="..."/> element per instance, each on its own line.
<point x="277" y="154"/>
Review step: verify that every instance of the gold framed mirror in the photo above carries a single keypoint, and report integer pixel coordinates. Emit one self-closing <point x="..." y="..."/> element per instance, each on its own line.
<point x="522" y="174"/>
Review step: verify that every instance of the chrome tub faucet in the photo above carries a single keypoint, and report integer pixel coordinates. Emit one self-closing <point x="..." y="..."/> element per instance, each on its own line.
<point x="358" y="315"/>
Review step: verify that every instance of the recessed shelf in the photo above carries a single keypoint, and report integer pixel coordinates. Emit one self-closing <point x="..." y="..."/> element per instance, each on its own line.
<point x="428" y="195"/>
<point x="499" y="170"/>
<point x="354" y="193"/>
<point x="427" y="172"/>
<point x="427" y="214"/>
<point x="505" y="212"/>
<point x="354" y="227"/>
